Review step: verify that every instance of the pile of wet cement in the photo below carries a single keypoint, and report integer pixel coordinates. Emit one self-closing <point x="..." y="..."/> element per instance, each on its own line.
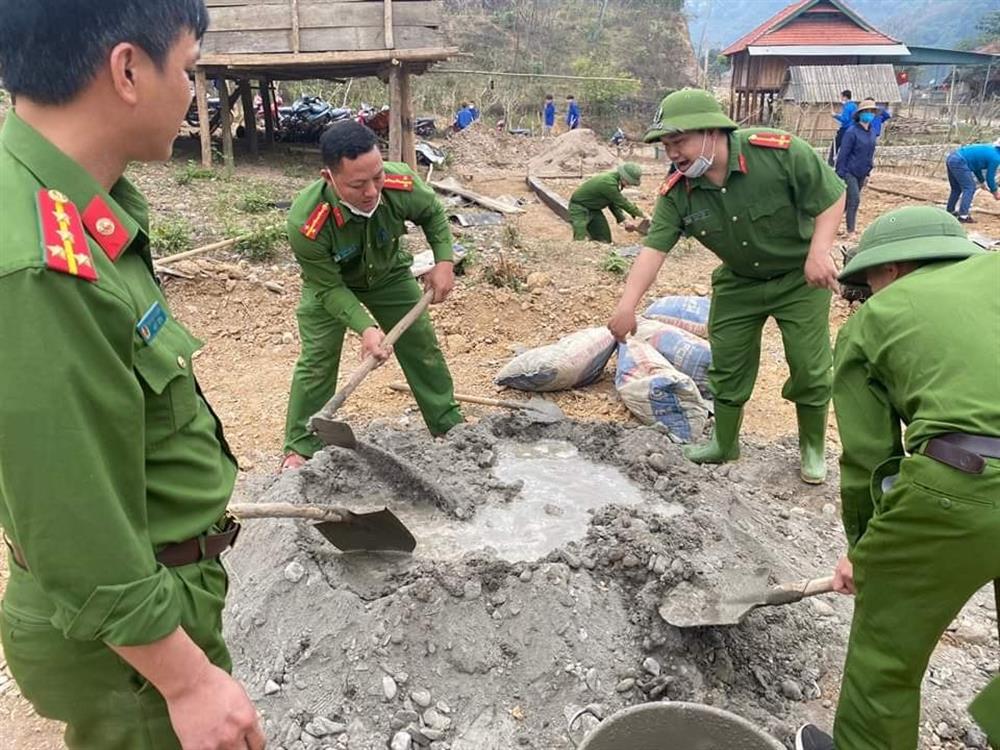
<point x="492" y="651"/>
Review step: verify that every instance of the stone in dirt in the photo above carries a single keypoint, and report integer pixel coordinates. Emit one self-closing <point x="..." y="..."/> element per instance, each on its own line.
<point x="488" y="634"/>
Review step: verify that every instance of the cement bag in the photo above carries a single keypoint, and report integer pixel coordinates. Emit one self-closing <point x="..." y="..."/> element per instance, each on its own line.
<point x="688" y="313"/>
<point x="574" y="360"/>
<point x="658" y="393"/>
<point x="685" y="351"/>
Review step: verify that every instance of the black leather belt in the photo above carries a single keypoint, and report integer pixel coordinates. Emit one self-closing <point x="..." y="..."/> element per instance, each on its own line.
<point x="967" y="453"/>
<point x="188" y="552"/>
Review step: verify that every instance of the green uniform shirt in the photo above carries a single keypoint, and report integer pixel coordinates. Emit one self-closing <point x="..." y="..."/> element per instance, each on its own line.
<point x="602" y="192"/>
<point x="925" y="352"/>
<point x="107" y="449"/>
<point x="349" y="252"/>
<point x="760" y="222"/>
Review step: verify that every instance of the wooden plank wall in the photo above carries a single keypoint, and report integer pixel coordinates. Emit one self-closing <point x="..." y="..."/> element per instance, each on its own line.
<point x="265" y="26"/>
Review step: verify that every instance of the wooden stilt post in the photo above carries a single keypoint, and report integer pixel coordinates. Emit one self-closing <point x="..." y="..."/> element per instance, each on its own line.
<point x="268" y="104"/>
<point x="204" y="119"/>
<point x="395" y="111"/>
<point x="226" y="123"/>
<point x="249" y="116"/>
<point x="409" y="138"/>
<point x="390" y="41"/>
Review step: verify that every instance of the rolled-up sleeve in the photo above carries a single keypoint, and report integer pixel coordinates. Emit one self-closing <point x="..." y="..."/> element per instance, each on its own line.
<point x="428" y="213"/>
<point x="72" y="458"/>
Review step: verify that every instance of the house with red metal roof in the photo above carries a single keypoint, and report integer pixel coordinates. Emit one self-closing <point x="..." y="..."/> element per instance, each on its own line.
<point x="806" y="33"/>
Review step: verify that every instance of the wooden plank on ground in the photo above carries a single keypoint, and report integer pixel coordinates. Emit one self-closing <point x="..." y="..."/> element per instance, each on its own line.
<point x="548" y="196"/>
<point x="324" y="16"/>
<point x="450" y="186"/>
<point x="347" y="39"/>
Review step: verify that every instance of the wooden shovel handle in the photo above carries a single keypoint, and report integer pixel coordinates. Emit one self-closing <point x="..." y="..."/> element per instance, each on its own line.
<point x="287" y="510"/>
<point x="787" y="593"/>
<point x="370" y="362"/>
<point x="468" y="398"/>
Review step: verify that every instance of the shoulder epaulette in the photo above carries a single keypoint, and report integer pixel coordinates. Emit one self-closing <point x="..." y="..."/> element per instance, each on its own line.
<point x="668" y="184"/>
<point x="399" y="182"/>
<point x="316" y="220"/>
<point x="64" y="243"/>
<point x="770" y="140"/>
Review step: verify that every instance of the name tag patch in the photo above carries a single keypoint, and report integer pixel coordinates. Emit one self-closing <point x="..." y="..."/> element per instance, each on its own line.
<point x="151" y="323"/>
<point x="697" y="216"/>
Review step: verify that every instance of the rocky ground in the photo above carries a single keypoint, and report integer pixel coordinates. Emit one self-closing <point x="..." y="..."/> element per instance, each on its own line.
<point x="466" y="647"/>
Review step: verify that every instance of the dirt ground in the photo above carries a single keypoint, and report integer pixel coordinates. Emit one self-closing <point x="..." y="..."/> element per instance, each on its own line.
<point x="252" y="341"/>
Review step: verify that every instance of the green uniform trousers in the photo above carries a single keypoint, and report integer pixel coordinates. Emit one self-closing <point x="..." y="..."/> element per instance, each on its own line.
<point x="740" y="307"/>
<point x="587" y="223"/>
<point x="932" y="543"/>
<point x="315" y="378"/>
<point x="105" y="704"/>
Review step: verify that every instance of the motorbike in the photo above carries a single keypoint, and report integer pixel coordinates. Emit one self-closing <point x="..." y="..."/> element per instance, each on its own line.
<point x="307" y="118"/>
<point x="214" y="112"/>
<point x="378" y="121"/>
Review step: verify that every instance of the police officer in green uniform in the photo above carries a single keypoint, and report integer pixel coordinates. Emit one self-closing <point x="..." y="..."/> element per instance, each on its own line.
<point x="345" y="230"/>
<point x="923" y="527"/>
<point x="587" y="204"/>
<point x="114" y="473"/>
<point x="769" y="208"/>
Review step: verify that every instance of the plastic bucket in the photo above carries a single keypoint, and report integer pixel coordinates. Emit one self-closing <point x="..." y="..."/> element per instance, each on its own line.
<point x="676" y="726"/>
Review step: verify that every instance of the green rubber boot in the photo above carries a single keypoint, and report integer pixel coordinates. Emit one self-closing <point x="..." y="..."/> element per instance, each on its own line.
<point x="725" y="443"/>
<point x="812" y="442"/>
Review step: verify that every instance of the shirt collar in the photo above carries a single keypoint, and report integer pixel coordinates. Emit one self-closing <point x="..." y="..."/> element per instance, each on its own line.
<point x="114" y="220"/>
<point x="737" y="163"/>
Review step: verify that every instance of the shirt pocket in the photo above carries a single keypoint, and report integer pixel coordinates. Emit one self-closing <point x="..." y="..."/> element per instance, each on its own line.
<point x="164" y="367"/>
<point x="773" y="215"/>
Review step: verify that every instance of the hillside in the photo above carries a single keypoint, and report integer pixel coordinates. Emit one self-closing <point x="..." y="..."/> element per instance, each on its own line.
<point x="933" y="23"/>
<point x="644" y="39"/>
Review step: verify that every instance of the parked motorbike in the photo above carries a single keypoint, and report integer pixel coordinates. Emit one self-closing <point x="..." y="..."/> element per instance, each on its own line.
<point x="307" y="118"/>
<point x="214" y="112"/>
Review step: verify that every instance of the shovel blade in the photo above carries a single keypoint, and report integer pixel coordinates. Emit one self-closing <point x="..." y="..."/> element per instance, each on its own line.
<point x="542" y="411"/>
<point x="727" y="603"/>
<point x="378" y="530"/>
<point x="332" y="432"/>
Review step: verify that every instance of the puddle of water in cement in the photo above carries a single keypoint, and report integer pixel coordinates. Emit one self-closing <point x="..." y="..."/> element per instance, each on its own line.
<point x="560" y="487"/>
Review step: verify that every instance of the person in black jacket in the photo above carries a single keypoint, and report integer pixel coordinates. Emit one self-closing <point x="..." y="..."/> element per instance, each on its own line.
<point x="856" y="159"/>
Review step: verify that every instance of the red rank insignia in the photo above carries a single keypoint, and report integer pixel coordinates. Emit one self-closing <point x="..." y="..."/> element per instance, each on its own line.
<point x="669" y="183"/>
<point x="743" y="164"/>
<point x="399" y="182"/>
<point x="316" y="221"/>
<point x="105" y="228"/>
<point x="338" y="217"/>
<point x="64" y="243"/>
<point x="771" y="140"/>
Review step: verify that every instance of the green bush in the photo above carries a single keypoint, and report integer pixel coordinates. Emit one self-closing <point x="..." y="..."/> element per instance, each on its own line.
<point x="169" y="235"/>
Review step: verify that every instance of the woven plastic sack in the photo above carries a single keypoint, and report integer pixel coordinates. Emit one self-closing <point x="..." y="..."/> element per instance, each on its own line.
<point x="658" y="393"/>
<point x="685" y="351"/>
<point x="687" y="313"/>
<point x="574" y="360"/>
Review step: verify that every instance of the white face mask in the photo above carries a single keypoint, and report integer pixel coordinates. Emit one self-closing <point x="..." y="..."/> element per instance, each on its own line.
<point x="358" y="212"/>
<point x="702" y="164"/>
<point x="353" y="209"/>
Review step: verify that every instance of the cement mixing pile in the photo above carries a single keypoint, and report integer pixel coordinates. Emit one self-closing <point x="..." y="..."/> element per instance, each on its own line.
<point x="533" y="592"/>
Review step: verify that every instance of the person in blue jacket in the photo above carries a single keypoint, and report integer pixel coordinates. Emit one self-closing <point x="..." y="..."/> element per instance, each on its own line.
<point x="845" y="117"/>
<point x="474" y="110"/>
<point x="856" y="158"/>
<point x="572" y="113"/>
<point x="969" y="167"/>
<point x="548" y="115"/>
<point x="464" y="118"/>
<point x="881" y="115"/>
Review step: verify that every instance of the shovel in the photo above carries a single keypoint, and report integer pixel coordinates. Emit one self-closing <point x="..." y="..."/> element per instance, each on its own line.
<point x="340" y="434"/>
<point x="689" y="606"/>
<point x="346" y="530"/>
<point x="536" y="409"/>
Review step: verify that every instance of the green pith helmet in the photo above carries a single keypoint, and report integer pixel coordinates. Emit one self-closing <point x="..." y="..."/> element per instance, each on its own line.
<point x="908" y="234"/>
<point x="630" y="173"/>
<point x="687" y="109"/>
